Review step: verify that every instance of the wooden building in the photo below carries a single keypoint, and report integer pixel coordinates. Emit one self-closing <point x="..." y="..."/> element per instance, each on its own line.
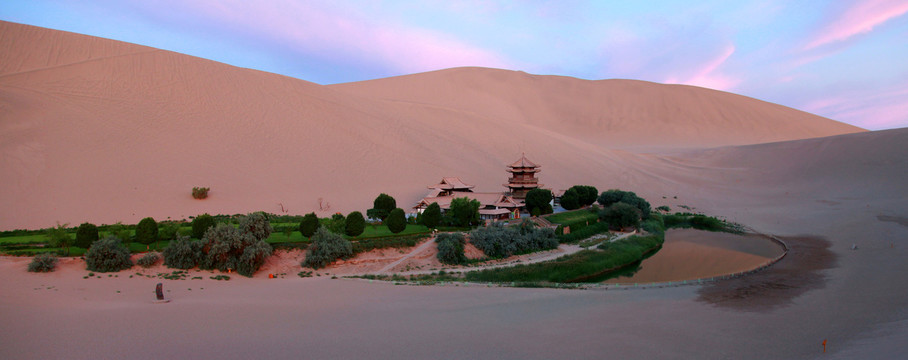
<point x="523" y="177"/>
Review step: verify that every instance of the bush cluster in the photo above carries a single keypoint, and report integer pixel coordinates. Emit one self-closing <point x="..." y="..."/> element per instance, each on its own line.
<point x="224" y="247"/>
<point x="326" y="247"/>
<point x="107" y="255"/>
<point x="620" y="215"/>
<point x="148" y="260"/>
<point x="44" y="262"/>
<point x="498" y="241"/>
<point x="200" y="192"/>
<point x="450" y="248"/>
<point x="182" y="253"/>
<point x="585" y="232"/>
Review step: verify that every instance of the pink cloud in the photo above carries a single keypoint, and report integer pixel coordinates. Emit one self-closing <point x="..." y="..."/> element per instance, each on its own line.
<point x="858" y="19"/>
<point x="330" y="29"/>
<point x="707" y="75"/>
<point x="881" y="110"/>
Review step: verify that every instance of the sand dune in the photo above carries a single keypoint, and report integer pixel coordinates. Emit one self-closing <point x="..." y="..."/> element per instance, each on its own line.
<point x="97" y="130"/>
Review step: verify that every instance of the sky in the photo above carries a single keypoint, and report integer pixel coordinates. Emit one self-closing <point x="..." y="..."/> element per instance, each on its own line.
<point x="845" y="60"/>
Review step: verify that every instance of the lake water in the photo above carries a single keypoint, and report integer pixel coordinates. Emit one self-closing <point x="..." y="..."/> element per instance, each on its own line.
<point x="691" y="254"/>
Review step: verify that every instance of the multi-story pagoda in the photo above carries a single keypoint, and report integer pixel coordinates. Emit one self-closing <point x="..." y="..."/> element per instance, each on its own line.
<point x="523" y="177"/>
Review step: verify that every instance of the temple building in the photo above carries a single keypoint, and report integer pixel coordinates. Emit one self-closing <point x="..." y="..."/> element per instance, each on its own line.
<point x="493" y="206"/>
<point x="523" y="177"/>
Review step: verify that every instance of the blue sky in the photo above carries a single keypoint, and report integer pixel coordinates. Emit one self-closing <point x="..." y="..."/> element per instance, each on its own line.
<point x="846" y="60"/>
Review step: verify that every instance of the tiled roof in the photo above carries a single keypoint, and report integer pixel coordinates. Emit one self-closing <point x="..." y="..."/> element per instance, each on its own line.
<point x="450" y="183"/>
<point x="485" y="199"/>
<point x="523" y="162"/>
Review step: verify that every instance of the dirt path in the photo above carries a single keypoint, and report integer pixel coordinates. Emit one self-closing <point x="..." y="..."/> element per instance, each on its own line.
<point x="416" y="250"/>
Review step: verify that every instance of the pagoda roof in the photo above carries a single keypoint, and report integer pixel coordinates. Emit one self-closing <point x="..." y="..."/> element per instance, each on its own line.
<point x="523" y="162"/>
<point x="485" y="199"/>
<point x="451" y="183"/>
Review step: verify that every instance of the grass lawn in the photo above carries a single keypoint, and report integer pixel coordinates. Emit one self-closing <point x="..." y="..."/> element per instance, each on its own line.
<point x="24" y="239"/>
<point x="573" y="216"/>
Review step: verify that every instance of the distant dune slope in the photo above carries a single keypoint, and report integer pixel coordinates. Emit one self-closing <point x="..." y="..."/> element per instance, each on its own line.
<point x="99" y="130"/>
<point x="610" y="113"/>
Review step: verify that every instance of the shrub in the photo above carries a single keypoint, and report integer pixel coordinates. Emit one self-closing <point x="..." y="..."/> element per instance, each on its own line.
<point x="148" y="260"/>
<point x="182" y="253"/>
<point x="355" y="224"/>
<point x="58" y="237"/>
<point x="120" y="231"/>
<point x="309" y="224"/>
<point x="664" y="208"/>
<point x="201" y="224"/>
<point x="200" y="193"/>
<point x="620" y="215"/>
<point x="107" y="255"/>
<point x="539" y="199"/>
<point x="147" y="231"/>
<point x="86" y="234"/>
<point x="570" y="200"/>
<point x="450" y="248"/>
<point x="396" y="221"/>
<point x="498" y="241"/>
<point x="257" y="225"/>
<point x="431" y="216"/>
<point x="225" y="247"/>
<point x="381" y="207"/>
<point x="44" y="262"/>
<point x="326" y="247"/>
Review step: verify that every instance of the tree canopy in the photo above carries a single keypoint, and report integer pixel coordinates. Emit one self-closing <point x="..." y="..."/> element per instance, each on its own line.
<point x="382" y="207"/>
<point x="309" y="224"/>
<point x="355" y="224"/>
<point x="86" y="234"/>
<point x="539" y="199"/>
<point x="612" y="196"/>
<point x="147" y="231"/>
<point x="396" y="221"/>
<point x="201" y="224"/>
<point x="464" y="212"/>
<point x="431" y="216"/>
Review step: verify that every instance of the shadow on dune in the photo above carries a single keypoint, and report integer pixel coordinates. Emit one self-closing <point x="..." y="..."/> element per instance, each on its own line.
<point x="799" y="272"/>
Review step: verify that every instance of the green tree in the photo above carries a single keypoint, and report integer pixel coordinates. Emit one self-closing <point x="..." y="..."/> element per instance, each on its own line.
<point x="586" y="195"/>
<point x="539" y="199"/>
<point x="464" y="212"/>
<point x="182" y="253"/>
<point x="243" y="249"/>
<point x="326" y="247"/>
<point x="431" y="216"/>
<point x="621" y="216"/>
<point x="613" y="196"/>
<point x="201" y="224"/>
<point x="571" y="199"/>
<point x="169" y="230"/>
<point x="355" y="224"/>
<point x="86" y="234"/>
<point x="59" y="237"/>
<point x="397" y="220"/>
<point x="147" y="231"/>
<point x="257" y="225"/>
<point x="382" y="207"/>
<point x="337" y="224"/>
<point x="309" y="224"/>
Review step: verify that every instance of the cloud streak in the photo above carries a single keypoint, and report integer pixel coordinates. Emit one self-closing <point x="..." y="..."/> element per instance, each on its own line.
<point x="860" y="18"/>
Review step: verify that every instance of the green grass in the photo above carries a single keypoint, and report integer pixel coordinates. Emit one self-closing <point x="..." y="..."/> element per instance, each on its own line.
<point x="23" y="239"/>
<point x="567" y="217"/>
<point x="577" y="267"/>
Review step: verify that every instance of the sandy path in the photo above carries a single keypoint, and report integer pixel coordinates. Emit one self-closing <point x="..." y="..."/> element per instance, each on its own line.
<point x="418" y="249"/>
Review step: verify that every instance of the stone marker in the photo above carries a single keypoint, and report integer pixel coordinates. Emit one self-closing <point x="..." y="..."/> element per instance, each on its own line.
<point x="159" y="292"/>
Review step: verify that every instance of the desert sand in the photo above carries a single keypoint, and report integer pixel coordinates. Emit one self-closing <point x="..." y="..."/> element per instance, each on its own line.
<point x="101" y="131"/>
